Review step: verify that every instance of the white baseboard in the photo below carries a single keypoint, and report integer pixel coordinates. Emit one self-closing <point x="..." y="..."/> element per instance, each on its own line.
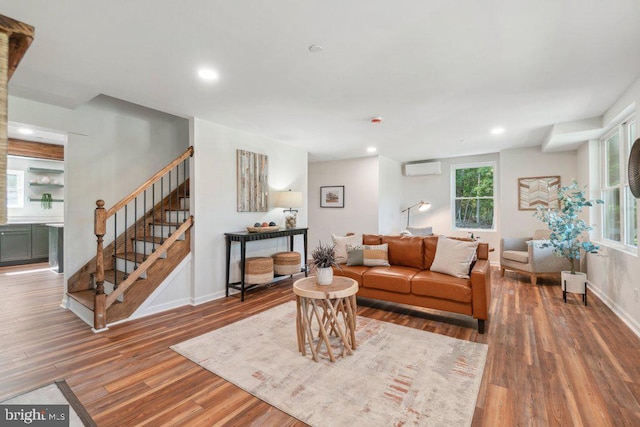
<point x="155" y="310"/>
<point x="206" y="298"/>
<point x="623" y="315"/>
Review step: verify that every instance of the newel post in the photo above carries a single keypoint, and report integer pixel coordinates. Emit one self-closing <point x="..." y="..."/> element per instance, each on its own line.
<point x="99" y="308"/>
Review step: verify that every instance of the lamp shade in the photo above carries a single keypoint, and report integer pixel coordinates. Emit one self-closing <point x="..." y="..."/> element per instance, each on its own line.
<point x="290" y="199"/>
<point x="424" y="206"/>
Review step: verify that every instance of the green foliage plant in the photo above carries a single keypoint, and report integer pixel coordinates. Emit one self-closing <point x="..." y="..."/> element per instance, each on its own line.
<point x="324" y="256"/>
<point x="46" y="201"/>
<point x="567" y="229"/>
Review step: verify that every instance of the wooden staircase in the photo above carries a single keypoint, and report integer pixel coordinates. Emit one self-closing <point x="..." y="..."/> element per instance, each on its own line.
<point x="134" y="264"/>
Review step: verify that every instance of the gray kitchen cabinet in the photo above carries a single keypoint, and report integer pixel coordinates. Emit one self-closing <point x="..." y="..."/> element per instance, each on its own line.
<point x="23" y="243"/>
<point x="15" y="243"/>
<point x="39" y="241"/>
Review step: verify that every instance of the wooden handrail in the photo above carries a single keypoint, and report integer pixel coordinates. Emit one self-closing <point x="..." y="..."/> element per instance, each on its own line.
<point x="126" y="284"/>
<point x="155" y="178"/>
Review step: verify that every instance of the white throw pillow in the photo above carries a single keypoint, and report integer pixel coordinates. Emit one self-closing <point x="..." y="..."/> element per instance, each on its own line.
<point x="420" y="231"/>
<point x="454" y="257"/>
<point x="341" y="243"/>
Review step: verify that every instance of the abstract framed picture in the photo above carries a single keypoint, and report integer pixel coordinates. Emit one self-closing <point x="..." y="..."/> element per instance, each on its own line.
<point x="538" y="191"/>
<point x="332" y="197"/>
<point x="252" y="181"/>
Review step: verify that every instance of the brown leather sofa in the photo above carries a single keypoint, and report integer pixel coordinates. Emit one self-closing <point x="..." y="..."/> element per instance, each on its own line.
<point x="409" y="281"/>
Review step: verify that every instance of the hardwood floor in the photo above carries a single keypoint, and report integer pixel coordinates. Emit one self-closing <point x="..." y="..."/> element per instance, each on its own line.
<point x="549" y="363"/>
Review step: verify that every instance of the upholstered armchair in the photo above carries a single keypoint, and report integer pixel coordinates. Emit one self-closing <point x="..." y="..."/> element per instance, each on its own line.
<point x="526" y="255"/>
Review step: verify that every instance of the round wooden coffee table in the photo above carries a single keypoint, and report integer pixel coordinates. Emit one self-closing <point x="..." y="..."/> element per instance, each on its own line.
<point x="326" y="304"/>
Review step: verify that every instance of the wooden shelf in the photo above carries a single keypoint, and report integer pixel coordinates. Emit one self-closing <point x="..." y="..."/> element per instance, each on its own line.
<point x="35" y="184"/>
<point x="44" y="170"/>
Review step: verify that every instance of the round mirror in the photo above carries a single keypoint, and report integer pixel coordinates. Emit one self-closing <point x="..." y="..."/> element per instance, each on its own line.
<point x="633" y="170"/>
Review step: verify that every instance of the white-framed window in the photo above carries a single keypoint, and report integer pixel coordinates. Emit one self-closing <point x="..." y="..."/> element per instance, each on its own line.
<point x="619" y="211"/>
<point x="473" y="189"/>
<point x="15" y="188"/>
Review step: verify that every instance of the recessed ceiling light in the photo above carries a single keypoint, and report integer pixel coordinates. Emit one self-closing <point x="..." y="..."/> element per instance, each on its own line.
<point x="315" y="48"/>
<point x="26" y="131"/>
<point x="208" y="74"/>
<point x="497" y="131"/>
<point x="462" y="140"/>
<point x="371" y="149"/>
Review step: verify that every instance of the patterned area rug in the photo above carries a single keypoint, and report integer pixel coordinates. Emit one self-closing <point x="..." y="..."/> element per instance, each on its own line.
<point x="397" y="375"/>
<point x="58" y="393"/>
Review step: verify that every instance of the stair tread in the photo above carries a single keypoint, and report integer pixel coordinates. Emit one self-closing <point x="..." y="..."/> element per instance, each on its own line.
<point x="112" y="275"/>
<point x="86" y="298"/>
<point x="166" y="223"/>
<point x="131" y="256"/>
<point x="149" y="238"/>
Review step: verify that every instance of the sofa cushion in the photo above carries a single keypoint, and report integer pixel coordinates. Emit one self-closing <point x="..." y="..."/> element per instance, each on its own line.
<point x="341" y="242"/>
<point x="405" y="251"/>
<point x="454" y="257"/>
<point x="517" y="256"/>
<point x="354" y="272"/>
<point x="430" y="245"/>
<point x="369" y="255"/>
<point x="371" y="239"/>
<point x="394" y="279"/>
<point x="438" y="285"/>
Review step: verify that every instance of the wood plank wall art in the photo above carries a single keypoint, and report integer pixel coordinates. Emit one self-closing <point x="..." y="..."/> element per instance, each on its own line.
<point x="538" y="191"/>
<point x="252" y="181"/>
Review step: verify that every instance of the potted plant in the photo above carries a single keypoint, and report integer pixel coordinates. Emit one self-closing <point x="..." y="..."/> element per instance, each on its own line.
<point x="569" y="233"/>
<point x="46" y="201"/>
<point x="324" y="258"/>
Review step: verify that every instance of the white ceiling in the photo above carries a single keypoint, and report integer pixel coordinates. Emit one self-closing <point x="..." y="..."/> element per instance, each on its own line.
<point x="438" y="72"/>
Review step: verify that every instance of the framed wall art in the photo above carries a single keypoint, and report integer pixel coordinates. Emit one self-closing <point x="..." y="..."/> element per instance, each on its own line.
<point x="252" y="181"/>
<point x="332" y="197"/>
<point x="538" y="191"/>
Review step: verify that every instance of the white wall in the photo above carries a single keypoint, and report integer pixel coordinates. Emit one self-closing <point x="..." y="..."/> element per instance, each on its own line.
<point x="113" y="147"/>
<point x="529" y="162"/>
<point x="213" y="200"/>
<point x="360" y="178"/>
<point x="613" y="274"/>
<point x="390" y="196"/>
<point x="436" y="189"/>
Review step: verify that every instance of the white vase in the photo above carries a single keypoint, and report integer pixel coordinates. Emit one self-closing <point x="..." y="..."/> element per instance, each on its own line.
<point x="575" y="283"/>
<point x="324" y="276"/>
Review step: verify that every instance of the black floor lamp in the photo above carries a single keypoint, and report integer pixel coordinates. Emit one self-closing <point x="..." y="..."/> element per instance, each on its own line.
<point x="422" y="206"/>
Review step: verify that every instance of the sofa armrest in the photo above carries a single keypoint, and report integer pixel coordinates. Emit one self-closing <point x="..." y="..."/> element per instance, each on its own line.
<point x="481" y="289"/>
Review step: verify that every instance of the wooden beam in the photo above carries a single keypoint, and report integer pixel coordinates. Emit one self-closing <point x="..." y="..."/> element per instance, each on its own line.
<point x="20" y="38"/>
<point x="40" y="150"/>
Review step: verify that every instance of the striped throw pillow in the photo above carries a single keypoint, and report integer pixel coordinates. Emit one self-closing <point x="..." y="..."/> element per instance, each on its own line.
<point x="368" y="255"/>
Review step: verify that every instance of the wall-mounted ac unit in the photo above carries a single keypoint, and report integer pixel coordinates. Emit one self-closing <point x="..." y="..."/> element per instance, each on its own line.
<point x="424" y="168"/>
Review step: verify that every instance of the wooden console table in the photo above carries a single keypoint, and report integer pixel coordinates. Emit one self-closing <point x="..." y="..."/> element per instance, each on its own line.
<point x="243" y="237"/>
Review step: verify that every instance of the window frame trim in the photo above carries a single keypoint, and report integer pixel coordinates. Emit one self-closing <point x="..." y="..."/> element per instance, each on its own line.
<point x="622" y="128"/>
<point x="453" y="198"/>
<point x="21" y="191"/>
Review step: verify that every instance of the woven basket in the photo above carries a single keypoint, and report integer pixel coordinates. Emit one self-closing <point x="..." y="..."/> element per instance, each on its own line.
<point x="286" y="263"/>
<point x="258" y="270"/>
